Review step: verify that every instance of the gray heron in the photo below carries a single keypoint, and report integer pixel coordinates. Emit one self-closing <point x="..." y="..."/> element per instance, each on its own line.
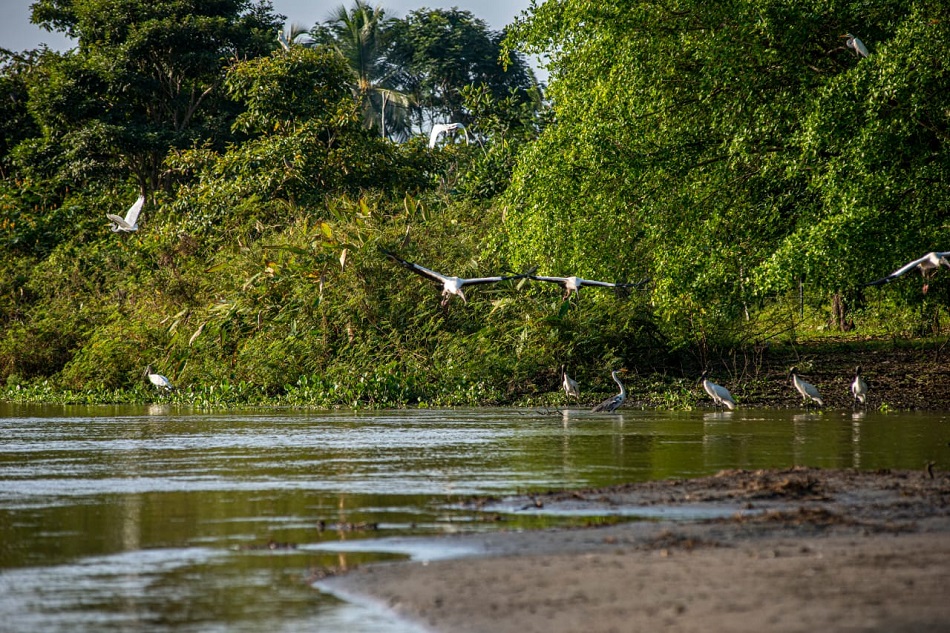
<point x="808" y="391"/>
<point x="859" y="388"/>
<point x="719" y="394"/>
<point x="450" y="285"/>
<point x="855" y="44"/>
<point x="613" y="403"/>
<point x="445" y="128"/>
<point x="570" y="386"/>
<point x="129" y="222"/>
<point x="574" y="284"/>
<point x="158" y="380"/>
<point x="927" y="265"/>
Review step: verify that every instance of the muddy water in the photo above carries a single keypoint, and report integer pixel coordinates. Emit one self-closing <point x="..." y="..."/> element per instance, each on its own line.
<point x="157" y="519"/>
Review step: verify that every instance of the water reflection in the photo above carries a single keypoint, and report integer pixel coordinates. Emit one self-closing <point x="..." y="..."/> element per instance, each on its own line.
<point x="116" y="517"/>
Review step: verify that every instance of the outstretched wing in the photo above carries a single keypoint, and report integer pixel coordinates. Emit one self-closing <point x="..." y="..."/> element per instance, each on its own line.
<point x="897" y="273"/>
<point x="132" y="215"/>
<point x="485" y="280"/>
<point x="416" y="268"/>
<point x="593" y="282"/>
<point x="555" y="280"/>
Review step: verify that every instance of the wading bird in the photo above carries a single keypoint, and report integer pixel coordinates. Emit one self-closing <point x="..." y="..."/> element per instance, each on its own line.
<point x="612" y="404"/>
<point x="571" y="388"/>
<point x="574" y="284"/>
<point x="719" y="394"/>
<point x="859" y="388"/>
<point x="128" y="223"/>
<point x="158" y="380"/>
<point x="856" y="45"/>
<point x="445" y="128"/>
<point x="450" y="285"/>
<point x="928" y="265"/>
<point x="809" y="391"/>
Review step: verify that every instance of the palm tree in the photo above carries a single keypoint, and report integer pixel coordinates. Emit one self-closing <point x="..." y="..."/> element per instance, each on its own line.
<point x="359" y="35"/>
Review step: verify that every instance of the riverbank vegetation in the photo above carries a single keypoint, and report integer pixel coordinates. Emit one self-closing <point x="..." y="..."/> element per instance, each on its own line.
<point x="737" y="156"/>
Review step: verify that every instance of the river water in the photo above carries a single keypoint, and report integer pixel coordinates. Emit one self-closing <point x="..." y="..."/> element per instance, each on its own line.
<point x="162" y="519"/>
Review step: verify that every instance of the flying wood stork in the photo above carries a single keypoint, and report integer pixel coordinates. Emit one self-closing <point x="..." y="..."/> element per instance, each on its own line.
<point x="574" y="284"/>
<point x="612" y="404"/>
<point x="719" y="394"/>
<point x="450" y="285"/>
<point x="129" y="222"/>
<point x="808" y="391"/>
<point x="927" y="265"/>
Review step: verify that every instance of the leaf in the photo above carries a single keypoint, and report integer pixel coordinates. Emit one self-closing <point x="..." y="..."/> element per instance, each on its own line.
<point x="196" y="334"/>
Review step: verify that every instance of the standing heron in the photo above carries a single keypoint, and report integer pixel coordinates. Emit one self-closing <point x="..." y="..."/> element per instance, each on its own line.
<point x="129" y="222"/>
<point x="158" y="380"/>
<point x="571" y="388"/>
<point x="927" y="265"/>
<point x="574" y="284"/>
<point x="720" y="395"/>
<point x="612" y="404"/>
<point x="450" y="285"/>
<point x="855" y="44"/>
<point x="445" y="128"/>
<point x="859" y="388"/>
<point x="809" y="391"/>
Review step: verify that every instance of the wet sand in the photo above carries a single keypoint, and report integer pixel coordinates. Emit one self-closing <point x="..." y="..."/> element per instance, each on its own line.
<point x="793" y="550"/>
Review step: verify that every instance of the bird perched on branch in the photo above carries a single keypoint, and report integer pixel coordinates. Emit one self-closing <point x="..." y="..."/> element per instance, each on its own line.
<point x="612" y="404"/>
<point x="574" y="284"/>
<point x="720" y="395"/>
<point x="856" y="45"/>
<point x="129" y="222"/>
<point x="445" y="128"/>
<point x="927" y="265"/>
<point x="808" y="391"/>
<point x="450" y="285"/>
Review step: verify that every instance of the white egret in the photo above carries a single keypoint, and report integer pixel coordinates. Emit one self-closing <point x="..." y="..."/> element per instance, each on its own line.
<point x="927" y="265"/>
<point x="612" y="404"/>
<point x="574" y="284"/>
<point x="571" y="388"/>
<point x="856" y="45"/>
<point x="859" y="388"/>
<point x="719" y="394"/>
<point x="129" y="222"/>
<point x="445" y="128"/>
<point x="450" y="285"/>
<point x="809" y="391"/>
<point x="282" y="40"/>
<point x="158" y="380"/>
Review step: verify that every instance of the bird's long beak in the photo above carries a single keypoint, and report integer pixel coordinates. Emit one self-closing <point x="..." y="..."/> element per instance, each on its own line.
<point x="845" y="35"/>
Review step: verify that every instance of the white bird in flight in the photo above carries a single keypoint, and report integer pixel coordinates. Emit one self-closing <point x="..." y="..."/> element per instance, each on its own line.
<point x="571" y="388"/>
<point x="612" y="404"/>
<point x="859" y="388"/>
<point x="928" y="265"/>
<point x="158" y="380"/>
<point x="450" y="285"/>
<point x="809" y="391"/>
<point x="445" y="128"/>
<point x="719" y="394"/>
<point x="129" y="222"/>
<point x="856" y="45"/>
<point x="574" y="284"/>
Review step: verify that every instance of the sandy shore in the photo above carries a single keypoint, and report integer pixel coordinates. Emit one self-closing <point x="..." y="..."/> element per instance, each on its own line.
<point x="796" y="550"/>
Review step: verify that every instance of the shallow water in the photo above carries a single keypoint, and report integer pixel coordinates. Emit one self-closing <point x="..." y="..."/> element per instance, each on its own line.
<point x="161" y="519"/>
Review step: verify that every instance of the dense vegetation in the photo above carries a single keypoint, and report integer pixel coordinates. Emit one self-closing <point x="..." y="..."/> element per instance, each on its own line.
<point x="735" y="154"/>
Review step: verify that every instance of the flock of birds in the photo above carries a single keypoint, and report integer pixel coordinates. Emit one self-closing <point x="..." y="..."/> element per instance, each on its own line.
<point x="719" y="394"/>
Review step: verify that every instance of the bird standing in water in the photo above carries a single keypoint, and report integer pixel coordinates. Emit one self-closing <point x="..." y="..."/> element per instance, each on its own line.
<point x="720" y="395"/>
<point x="571" y="388"/>
<point x="809" y="391"/>
<point x="859" y="388"/>
<point x="612" y="404"/>
<point x="158" y="380"/>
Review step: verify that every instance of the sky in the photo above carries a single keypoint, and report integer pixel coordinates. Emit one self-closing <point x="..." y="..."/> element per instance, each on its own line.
<point x="18" y="34"/>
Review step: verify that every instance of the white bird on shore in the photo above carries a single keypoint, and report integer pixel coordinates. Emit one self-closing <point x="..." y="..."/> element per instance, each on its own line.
<point x="856" y="45"/>
<point x="719" y="394"/>
<point x="129" y="222"/>
<point x="928" y="265"/>
<point x="612" y="404"/>
<point x="158" y="380"/>
<point x="809" y="391"/>
<point x="450" y="285"/>
<point x="859" y="388"/>
<point x="445" y="128"/>
<point x="571" y="388"/>
<point x="574" y="284"/>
